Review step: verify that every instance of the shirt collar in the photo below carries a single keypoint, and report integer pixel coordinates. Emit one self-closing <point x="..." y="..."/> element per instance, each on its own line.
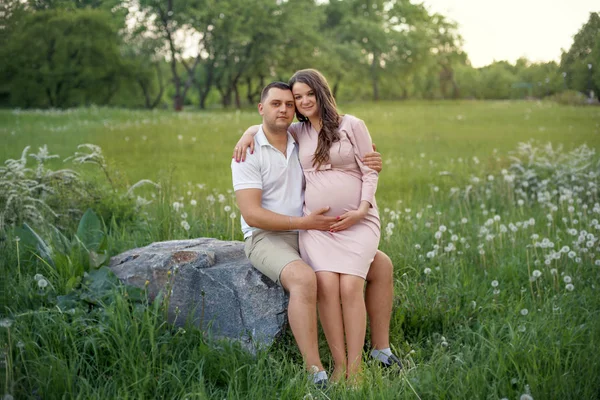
<point x="262" y="140"/>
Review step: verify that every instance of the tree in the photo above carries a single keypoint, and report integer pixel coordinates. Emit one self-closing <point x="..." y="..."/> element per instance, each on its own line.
<point x="386" y="33"/>
<point x="64" y="59"/>
<point x="165" y="20"/>
<point x="582" y="62"/>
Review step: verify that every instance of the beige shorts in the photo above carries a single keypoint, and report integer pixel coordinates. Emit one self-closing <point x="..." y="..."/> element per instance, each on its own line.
<point x="269" y="251"/>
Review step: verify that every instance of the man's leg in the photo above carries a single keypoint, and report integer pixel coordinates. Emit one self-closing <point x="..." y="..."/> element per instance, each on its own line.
<point x="276" y="255"/>
<point x="379" y="298"/>
<point x="300" y="281"/>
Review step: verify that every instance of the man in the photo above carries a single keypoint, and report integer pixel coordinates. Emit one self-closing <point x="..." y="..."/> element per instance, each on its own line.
<point x="269" y="193"/>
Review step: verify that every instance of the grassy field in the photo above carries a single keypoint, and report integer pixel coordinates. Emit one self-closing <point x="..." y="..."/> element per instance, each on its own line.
<point x="416" y="139"/>
<point x="495" y="247"/>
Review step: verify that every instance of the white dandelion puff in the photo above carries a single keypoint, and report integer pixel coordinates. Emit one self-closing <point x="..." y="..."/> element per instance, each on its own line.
<point x="569" y="287"/>
<point x="185" y="225"/>
<point x="6" y="323"/>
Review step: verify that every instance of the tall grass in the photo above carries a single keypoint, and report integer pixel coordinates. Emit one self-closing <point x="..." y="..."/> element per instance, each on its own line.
<point x="495" y="247"/>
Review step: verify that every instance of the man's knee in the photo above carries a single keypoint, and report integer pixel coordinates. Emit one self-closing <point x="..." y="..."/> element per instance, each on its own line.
<point x="382" y="269"/>
<point x="297" y="276"/>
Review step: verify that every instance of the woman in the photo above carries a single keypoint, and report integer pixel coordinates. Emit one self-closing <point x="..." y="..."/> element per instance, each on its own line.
<point x="331" y="147"/>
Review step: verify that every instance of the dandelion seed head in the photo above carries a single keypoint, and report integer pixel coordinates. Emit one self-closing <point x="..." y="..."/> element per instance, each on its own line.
<point x="42" y="283"/>
<point x="569" y="287"/>
<point x="5" y="323"/>
<point x="567" y="279"/>
<point x="495" y="283"/>
<point x="185" y="225"/>
<point x="524" y="311"/>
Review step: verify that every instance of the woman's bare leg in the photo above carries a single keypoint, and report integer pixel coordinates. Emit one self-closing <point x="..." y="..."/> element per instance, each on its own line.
<point x="330" y="315"/>
<point x="355" y="320"/>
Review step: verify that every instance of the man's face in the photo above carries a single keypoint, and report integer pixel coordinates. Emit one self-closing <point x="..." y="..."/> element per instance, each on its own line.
<point x="277" y="109"/>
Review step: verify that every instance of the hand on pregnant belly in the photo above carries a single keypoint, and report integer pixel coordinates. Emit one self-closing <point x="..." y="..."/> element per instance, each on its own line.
<point x="348" y="219"/>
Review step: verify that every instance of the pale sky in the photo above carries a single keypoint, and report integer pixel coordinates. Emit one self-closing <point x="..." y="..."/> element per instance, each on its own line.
<point x="509" y="29"/>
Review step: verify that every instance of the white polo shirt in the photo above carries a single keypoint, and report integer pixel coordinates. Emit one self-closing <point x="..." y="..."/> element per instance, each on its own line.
<point x="279" y="177"/>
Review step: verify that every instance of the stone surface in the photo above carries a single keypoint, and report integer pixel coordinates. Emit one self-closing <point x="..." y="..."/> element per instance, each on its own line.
<point x="212" y="283"/>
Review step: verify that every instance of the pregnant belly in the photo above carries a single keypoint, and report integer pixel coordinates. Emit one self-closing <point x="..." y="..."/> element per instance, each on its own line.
<point x="341" y="193"/>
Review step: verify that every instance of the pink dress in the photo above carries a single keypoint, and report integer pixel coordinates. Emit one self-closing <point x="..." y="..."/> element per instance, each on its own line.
<point x="341" y="185"/>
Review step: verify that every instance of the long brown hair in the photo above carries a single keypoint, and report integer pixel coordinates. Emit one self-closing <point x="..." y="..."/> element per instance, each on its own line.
<point x="330" y="117"/>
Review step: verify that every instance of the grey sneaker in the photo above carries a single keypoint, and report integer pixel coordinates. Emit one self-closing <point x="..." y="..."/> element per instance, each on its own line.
<point x="392" y="360"/>
<point x="319" y="378"/>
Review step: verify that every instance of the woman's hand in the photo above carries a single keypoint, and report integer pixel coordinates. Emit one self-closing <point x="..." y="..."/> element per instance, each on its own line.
<point x="346" y="220"/>
<point x="350" y="218"/>
<point x="247" y="140"/>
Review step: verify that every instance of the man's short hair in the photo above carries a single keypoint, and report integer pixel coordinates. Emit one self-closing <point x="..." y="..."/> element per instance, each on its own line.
<point x="278" y="85"/>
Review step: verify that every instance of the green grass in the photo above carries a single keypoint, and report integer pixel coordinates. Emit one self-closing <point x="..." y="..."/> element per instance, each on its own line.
<point x="460" y="334"/>
<point x="410" y="135"/>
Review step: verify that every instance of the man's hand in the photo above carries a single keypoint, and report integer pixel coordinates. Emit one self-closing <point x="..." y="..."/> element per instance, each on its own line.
<point x="317" y="221"/>
<point x="373" y="160"/>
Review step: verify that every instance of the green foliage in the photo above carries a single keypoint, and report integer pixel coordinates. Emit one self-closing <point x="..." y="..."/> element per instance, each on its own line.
<point x="582" y="62"/>
<point x="61" y="59"/>
<point x="570" y="98"/>
<point x="26" y="193"/>
<point x="65" y="53"/>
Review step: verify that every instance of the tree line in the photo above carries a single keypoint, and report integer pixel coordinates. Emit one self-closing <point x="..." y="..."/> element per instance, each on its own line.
<point x="201" y="53"/>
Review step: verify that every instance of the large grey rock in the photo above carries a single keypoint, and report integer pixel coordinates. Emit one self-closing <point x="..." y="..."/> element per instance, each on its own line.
<point x="212" y="283"/>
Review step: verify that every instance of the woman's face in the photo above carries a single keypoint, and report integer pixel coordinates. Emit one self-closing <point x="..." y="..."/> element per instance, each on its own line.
<point x="306" y="100"/>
